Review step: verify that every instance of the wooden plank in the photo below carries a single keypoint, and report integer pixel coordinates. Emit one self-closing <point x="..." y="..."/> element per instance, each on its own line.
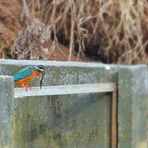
<point x="65" y="90"/>
<point x="114" y="119"/>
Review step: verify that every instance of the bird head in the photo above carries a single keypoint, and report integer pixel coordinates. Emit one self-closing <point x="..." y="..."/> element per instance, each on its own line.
<point x="41" y="69"/>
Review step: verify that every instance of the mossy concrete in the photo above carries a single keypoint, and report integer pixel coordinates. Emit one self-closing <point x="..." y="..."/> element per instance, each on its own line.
<point x="133" y="106"/>
<point x="80" y="121"/>
<point x="62" y="121"/>
<point x="6" y="111"/>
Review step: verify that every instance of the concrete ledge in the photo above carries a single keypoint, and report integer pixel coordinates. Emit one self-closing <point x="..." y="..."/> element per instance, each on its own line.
<point x="65" y="90"/>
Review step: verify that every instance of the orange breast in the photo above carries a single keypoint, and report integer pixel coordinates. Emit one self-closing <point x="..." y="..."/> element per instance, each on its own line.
<point x="36" y="73"/>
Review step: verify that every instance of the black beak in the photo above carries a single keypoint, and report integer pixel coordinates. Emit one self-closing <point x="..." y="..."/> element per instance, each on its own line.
<point x="43" y="73"/>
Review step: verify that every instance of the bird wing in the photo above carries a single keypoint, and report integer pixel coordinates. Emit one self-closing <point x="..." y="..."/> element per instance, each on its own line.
<point x="24" y="73"/>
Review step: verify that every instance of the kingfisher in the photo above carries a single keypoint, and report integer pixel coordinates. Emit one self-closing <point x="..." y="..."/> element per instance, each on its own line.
<point x="26" y="75"/>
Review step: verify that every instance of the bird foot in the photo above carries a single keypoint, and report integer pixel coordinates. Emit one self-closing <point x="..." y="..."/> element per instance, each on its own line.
<point x="27" y="87"/>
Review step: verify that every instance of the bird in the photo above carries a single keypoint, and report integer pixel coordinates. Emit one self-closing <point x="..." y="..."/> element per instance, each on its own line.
<point x="27" y="74"/>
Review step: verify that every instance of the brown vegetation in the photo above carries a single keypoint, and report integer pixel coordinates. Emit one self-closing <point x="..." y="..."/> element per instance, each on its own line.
<point x="107" y="31"/>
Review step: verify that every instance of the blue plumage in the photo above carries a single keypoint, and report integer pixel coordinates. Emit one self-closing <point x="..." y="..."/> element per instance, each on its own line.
<point x="27" y="71"/>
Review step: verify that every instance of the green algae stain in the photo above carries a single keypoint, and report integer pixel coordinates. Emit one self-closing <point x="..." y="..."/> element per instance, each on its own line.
<point x="56" y="123"/>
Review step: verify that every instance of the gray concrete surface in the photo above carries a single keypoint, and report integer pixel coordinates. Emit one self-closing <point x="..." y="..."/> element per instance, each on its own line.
<point x="6" y="111"/>
<point x="80" y="121"/>
<point x="133" y="107"/>
<point x="62" y="121"/>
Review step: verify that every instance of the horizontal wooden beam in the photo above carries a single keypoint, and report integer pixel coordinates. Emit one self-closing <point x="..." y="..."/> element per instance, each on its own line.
<point x="65" y="90"/>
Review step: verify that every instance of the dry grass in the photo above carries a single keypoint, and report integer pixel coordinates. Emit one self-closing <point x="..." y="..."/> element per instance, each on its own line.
<point x="118" y="27"/>
<point x="9" y="24"/>
<point x="108" y="30"/>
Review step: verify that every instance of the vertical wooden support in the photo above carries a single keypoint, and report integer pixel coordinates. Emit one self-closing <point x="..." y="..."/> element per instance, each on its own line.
<point x="114" y="119"/>
<point x="6" y="111"/>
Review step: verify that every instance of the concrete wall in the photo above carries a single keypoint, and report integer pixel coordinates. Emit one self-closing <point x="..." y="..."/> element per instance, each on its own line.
<point x="133" y="107"/>
<point x="77" y="121"/>
<point x="6" y="111"/>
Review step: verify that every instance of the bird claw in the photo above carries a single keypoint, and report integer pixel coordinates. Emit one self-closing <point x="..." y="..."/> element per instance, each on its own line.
<point x="27" y="87"/>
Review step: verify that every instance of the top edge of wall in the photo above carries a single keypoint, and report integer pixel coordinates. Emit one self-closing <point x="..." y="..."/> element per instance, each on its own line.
<point x="64" y="63"/>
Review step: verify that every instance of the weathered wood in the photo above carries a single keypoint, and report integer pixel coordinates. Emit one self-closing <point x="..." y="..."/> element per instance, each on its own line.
<point x="65" y="90"/>
<point x="114" y="119"/>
